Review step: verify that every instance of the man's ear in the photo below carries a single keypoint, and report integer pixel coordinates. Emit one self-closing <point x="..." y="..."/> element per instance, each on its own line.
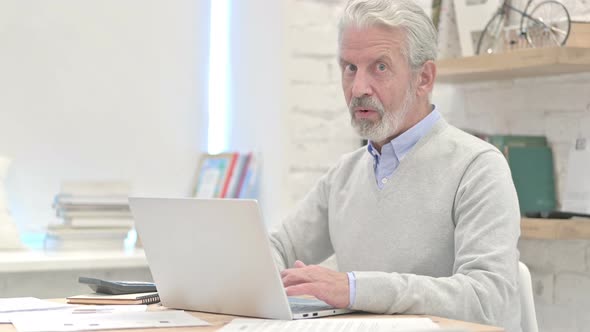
<point x="426" y="78"/>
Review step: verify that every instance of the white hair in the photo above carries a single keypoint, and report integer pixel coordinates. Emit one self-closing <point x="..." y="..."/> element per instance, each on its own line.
<point x="421" y="37"/>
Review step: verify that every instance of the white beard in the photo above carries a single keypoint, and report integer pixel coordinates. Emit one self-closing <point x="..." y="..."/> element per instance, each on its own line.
<point x="389" y="123"/>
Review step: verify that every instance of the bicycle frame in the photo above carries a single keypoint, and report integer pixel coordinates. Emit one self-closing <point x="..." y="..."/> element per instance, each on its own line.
<point x="506" y="6"/>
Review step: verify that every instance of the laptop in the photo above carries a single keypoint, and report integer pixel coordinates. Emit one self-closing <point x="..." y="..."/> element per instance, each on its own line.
<point x="214" y="255"/>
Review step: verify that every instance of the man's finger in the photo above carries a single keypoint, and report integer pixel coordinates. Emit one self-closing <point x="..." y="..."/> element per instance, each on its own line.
<point x="302" y="289"/>
<point x="294" y="278"/>
<point x="299" y="264"/>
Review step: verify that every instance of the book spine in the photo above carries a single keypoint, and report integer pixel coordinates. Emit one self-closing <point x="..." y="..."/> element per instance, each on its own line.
<point x="249" y="186"/>
<point x="229" y="174"/>
<point x="81" y="222"/>
<point x="235" y="176"/>
<point x="242" y="177"/>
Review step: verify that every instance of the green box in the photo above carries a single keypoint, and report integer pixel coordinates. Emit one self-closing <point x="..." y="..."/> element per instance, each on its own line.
<point x="533" y="176"/>
<point x="503" y="141"/>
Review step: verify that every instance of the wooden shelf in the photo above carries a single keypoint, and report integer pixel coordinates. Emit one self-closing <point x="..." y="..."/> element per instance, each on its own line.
<point x="555" y="229"/>
<point x="528" y="62"/>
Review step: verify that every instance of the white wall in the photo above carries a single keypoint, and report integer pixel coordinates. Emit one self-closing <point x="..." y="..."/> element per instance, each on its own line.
<point x="101" y="89"/>
<point x="257" y="93"/>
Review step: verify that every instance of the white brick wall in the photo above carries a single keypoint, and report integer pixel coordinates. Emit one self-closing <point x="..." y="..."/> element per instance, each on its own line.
<point x="317" y="117"/>
<point x="548" y="255"/>
<point x="319" y="131"/>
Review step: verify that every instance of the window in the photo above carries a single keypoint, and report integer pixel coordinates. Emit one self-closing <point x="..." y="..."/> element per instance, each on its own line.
<point x="218" y="104"/>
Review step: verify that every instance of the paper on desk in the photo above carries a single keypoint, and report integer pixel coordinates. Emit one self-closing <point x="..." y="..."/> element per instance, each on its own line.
<point x="45" y="322"/>
<point x="12" y="306"/>
<point x="332" y="325"/>
<point x="105" y="309"/>
<point x="75" y="309"/>
<point x="27" y="304"/>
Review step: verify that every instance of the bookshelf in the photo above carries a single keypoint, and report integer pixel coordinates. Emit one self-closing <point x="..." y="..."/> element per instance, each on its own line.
<point x="555" y="229"/>
<point x="530" y="62"/>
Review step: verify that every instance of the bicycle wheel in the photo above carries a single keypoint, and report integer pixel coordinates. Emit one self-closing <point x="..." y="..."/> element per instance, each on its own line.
<point x="548" y="24"/>
<point x="491" y="40"/>
<point x="529" y="4"/>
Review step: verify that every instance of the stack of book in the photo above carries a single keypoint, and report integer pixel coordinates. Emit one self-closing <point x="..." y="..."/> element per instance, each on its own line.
<point x="92" y="215"/>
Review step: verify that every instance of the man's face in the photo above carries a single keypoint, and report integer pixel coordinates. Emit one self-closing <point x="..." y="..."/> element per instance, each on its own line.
<point x="377" y="81"/>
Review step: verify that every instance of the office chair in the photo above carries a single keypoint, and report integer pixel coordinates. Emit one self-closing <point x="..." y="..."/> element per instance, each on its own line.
<point x="528" y="320"/>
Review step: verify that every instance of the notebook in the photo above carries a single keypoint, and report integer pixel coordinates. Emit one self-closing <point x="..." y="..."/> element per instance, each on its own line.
<point x="214" y="255"/>
<point x="98" y="298"/>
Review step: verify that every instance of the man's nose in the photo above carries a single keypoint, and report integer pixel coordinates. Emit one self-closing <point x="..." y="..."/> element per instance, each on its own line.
<point x="361" y="85"/>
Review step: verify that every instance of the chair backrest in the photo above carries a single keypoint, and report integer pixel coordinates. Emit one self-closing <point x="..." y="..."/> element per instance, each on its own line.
<point x="528" y="321"/>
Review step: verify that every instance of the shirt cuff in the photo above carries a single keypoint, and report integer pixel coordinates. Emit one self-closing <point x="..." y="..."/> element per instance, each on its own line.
<point x="352" y="288"/>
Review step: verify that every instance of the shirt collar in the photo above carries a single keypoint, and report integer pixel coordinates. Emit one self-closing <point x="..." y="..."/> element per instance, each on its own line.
<point x="402" y="144"/>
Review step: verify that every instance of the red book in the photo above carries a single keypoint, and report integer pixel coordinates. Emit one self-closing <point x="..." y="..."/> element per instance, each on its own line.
<point x="229" y="173"/>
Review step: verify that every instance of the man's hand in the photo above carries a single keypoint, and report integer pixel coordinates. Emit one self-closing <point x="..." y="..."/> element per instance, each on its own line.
<point x="325" y="284"/>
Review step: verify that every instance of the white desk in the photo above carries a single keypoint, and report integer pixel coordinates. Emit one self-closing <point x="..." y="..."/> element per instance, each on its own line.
<point x="32" y="260"/>
<point x="55" y="274"/>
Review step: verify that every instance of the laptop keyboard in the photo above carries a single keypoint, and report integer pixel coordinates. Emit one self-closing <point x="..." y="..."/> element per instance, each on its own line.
<point x="299" y="305"/>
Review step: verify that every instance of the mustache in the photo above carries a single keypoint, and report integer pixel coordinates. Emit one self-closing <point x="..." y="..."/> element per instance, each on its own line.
<point x="366" y="102"/>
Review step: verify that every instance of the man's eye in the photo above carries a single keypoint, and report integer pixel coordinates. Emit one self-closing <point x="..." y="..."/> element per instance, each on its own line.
<point x="351" y="67"/>
<point x="381" y="67"/>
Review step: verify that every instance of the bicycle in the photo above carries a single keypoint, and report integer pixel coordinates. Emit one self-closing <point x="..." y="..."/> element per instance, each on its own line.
<point x="547" y="24"/>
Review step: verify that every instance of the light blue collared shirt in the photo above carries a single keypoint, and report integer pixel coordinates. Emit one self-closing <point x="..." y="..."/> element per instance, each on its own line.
<point x="386" y="162"/>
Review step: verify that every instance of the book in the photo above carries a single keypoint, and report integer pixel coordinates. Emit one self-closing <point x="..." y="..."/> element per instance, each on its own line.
<point x="245" y="167"/>
<point x="51" y="243"/>
<point x="64" y="200"/>
<point x="89" y="233"/>
<point x="533" y="176"/>
<point x="96" y="222"/>
<point x="94" y="213"/>
<point x="229" y="175"/>
<point x="98" y="298"/>
<point x="213" y="173"/>
<point x="63" y="237"/>
<point x="249" y="183"/>
<point x="237" y="175"/>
